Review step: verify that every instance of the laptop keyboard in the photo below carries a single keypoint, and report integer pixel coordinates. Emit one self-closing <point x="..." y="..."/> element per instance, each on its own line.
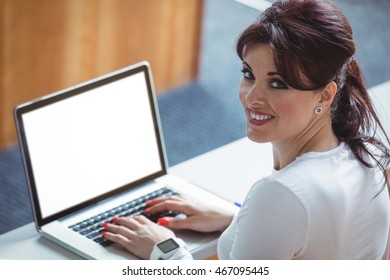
<point x="92" y="228"/>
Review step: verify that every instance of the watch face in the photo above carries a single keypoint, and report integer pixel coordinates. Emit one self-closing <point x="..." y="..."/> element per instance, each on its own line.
<point x="168" y="245"/>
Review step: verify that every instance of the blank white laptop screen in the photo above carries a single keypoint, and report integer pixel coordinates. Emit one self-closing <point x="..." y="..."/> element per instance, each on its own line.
<point x="92" y="143"/>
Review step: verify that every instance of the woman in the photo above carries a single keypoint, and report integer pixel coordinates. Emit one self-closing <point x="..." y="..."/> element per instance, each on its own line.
<point x="303" y="91"/>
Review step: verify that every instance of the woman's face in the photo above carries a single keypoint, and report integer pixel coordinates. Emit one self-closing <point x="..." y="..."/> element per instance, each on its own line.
<point x="275" y="112"/>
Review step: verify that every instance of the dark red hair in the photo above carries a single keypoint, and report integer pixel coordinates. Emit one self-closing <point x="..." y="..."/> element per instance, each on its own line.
<point x="314" y="38"/>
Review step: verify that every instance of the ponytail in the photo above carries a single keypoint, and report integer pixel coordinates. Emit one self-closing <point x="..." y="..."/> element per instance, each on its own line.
<point x="355" y="121"/>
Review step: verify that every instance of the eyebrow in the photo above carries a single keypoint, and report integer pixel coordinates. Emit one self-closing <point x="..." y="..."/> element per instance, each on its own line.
<point x="272" y="73"/>
<point x="247" y="65"/>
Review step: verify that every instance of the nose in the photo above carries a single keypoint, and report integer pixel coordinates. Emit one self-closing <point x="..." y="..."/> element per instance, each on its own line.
<point x="253" y="95"/>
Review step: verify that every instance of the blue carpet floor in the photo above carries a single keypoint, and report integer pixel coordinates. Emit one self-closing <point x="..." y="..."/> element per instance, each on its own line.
<point x="206" y="114"/>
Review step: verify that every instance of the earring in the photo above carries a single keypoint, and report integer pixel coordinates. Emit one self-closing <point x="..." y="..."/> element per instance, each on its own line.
<point x="318" y="110"/>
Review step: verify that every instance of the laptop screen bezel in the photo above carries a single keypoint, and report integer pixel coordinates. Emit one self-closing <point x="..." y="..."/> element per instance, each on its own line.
<point x="22" y="109"/>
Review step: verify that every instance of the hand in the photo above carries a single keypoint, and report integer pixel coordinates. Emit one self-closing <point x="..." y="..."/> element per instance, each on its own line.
<point x="200" y="217"/>
<point x="137" y="234"/>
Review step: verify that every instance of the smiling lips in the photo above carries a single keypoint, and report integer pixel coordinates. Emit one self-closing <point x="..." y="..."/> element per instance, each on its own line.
<point x="258" y="118"/>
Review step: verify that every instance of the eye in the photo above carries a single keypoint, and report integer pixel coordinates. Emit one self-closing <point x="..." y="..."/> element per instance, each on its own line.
<point x="278" y="84"/>
<point x="247" y="74"/>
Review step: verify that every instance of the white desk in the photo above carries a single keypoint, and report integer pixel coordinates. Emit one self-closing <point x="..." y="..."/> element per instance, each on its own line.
<point x="228" y="171"/>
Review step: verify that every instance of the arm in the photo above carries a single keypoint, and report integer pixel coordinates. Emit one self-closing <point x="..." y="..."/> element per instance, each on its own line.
<point x="272" y="224"/>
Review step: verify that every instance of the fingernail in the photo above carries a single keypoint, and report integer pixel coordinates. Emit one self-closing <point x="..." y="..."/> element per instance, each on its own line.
<point x="115" y="219"/>
<point x="163" y="221"/>
<point x="105" y="224"/>
<point x="104" y="233"/>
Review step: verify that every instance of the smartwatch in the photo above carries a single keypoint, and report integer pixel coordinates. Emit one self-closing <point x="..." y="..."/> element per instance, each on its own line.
<point x="166" y="249"/>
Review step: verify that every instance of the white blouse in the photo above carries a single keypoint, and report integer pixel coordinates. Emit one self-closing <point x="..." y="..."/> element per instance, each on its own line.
<point x="322" y="206"/>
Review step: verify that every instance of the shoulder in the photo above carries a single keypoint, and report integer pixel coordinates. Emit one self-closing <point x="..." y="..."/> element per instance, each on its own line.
<point x="317" y="171"/>
<point x="311" y="164"/>
<point x="322" y="180"/>
<point x="274" y="196"/>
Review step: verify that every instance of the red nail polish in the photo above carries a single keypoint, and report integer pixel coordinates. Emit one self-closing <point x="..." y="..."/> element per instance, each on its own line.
<point x="115" y="219"/>
<point x="104" y="233"/>
<point x="163" y="221"/>
<point x="105" y="224"/>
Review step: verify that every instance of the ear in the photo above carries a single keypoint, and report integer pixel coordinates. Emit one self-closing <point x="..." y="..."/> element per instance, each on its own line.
<point x="328" y="94"/>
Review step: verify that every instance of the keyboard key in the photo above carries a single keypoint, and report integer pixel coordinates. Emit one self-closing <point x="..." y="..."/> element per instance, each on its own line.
<point x="94" y="234"/>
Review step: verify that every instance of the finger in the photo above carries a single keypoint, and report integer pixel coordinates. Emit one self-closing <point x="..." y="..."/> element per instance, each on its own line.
<point x="115" y="237"/>
<point x="120" y="239"/>
<point x="119" y="229"/>
<point x="157" y="200"/>
<point x="128" y="222"/>
<point x="170" y="205"/>
<point x="175" y="223"/>
<point x="126" y="226"/>
<point x="142" y="220"/>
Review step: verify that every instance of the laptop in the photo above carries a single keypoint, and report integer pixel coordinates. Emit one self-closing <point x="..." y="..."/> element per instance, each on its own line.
<point x="94" y="151"/>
